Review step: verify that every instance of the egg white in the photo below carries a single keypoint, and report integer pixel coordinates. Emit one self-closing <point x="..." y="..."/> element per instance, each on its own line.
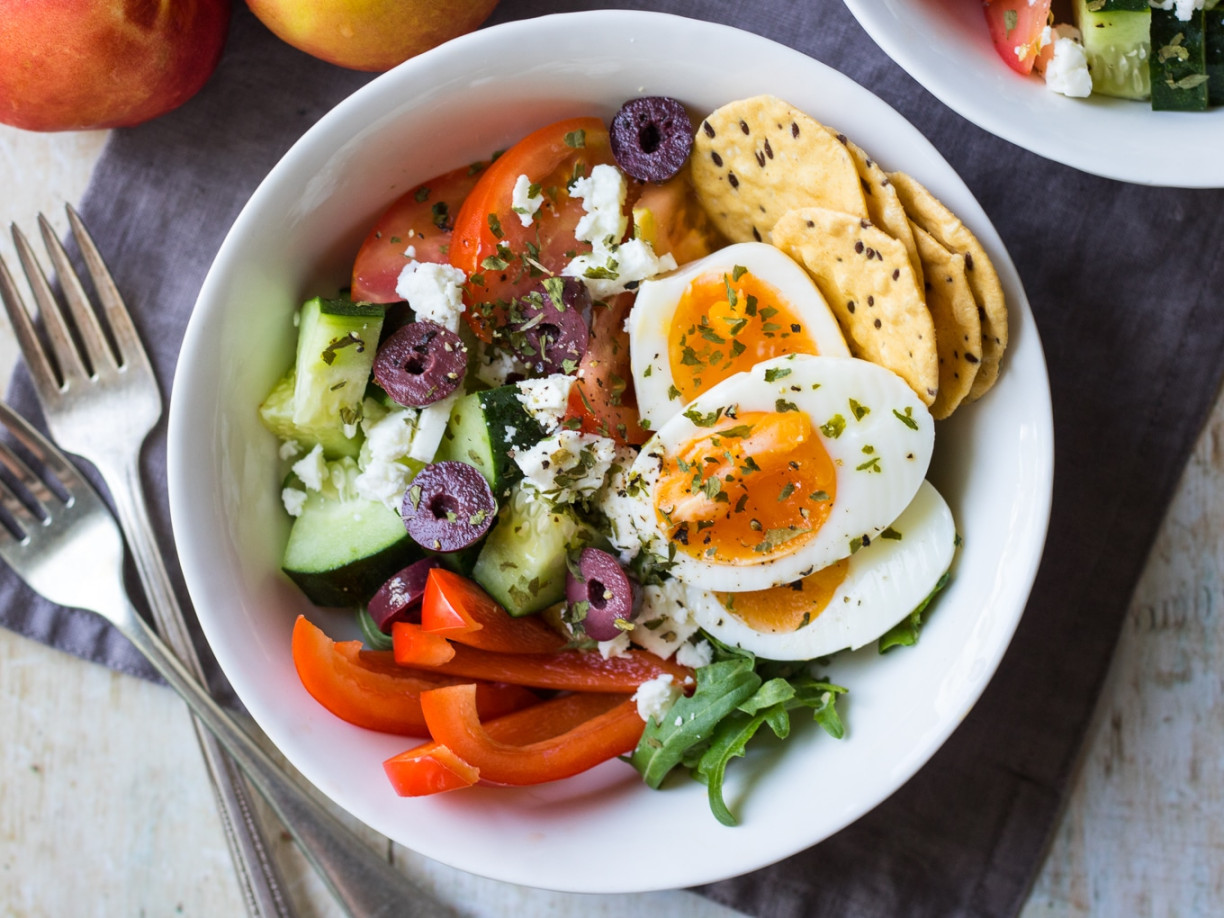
<point x="651" y="320"/>
<point x="884" y="582"/>
<point x="880" y="460"/>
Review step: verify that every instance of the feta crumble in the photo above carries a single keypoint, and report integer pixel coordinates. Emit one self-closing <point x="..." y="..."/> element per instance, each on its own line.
<point x="622" y="505"/>
<point x="567" y="466"/>
<point x="695" y="656"/>
<point x="1067" y="71"/>
<point x="617" y="647"/>
<point x="312" y="469"/>
<point x="433" y="291"/>
<point x="655" y="698"/>
<point x="546" y="398"/>
<point x="663" y="624"/>
<point x="388" y="440"/>
<point x="290" y="449"/>
<point x="523" y="202"/>
<point x="1182" y="9"/>
<point x="294" y="500"/>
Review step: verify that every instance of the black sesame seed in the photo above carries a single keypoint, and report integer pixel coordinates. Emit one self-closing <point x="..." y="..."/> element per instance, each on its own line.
<point x="716" y="158"/>
<point x="968" y="261"/>
<point x="756" y="234"/>
<point x="760" y="158"/>
<point x="858" y="247"/>
<point x="794" y="129"/>
<point x="878" y="323"/>
<point x="744" y="126"/>
<point x="870" y="300"/>
<point x="896" y="273"/>
<point x="811" y="223"/>
<point x="850" y="306"/>
<point x="768" y="149"/>
<point x="708" y="128"/>
<point x="732" y="179"/>
<point x="970" y="357"/>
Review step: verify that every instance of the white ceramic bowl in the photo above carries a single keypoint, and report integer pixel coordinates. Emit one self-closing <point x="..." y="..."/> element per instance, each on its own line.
<point x="944" y="45"/>
<point x="296" y="238"/>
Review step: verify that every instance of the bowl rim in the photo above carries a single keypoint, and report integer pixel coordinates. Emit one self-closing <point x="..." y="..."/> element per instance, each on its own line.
<point x="1092" y="135"/>
<point x="187" y="509"/>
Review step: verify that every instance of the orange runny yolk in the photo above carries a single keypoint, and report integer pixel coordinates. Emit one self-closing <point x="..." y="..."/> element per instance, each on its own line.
<point x="747" y="489"/>
<point x="788" y="607"/>
<point x="727" y="323"/>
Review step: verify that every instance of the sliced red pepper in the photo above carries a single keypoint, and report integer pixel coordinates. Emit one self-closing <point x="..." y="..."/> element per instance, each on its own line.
<point x="429" y="769"/>
<point x="367" y="688"/>
<point x="455" y="723"/>
<point x="566" y="670"/>
<point x="432" y="768"/>
<point x="455" y="607"/>
<point x="419" y="646"/>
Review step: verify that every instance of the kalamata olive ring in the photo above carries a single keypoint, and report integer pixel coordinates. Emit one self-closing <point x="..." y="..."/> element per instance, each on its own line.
<point x="652" y="138"/>
<point x="600" y="595"/>
<point x="547" y="329"/>
<point x="421" y="363"/>
<point x="448" y="506"/>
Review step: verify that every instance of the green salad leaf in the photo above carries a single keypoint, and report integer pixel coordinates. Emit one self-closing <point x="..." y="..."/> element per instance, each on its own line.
<point x="905" y="632"/>
<point x="735" y="696"/>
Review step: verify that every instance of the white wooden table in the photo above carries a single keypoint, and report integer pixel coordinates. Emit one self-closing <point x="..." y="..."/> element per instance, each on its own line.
<point x="94" y="822"/>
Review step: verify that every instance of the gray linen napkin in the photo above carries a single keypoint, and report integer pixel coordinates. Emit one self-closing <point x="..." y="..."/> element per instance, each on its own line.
<point x="1127" y="311"/>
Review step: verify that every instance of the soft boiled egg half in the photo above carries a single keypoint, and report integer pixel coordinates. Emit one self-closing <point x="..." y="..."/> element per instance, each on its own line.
<point x="719" y="316"/>
<point x="780" y="471"/>
<point x="847" y="604"/>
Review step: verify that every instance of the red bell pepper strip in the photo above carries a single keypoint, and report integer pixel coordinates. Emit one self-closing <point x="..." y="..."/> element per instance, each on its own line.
<point x="419" y="646"/>
<point x="566" y="670"/>
<point x="432" y="768"/>
<point x="367" y="688"/>
<point x="455" y="723"/>
<point x="457" y="608"/>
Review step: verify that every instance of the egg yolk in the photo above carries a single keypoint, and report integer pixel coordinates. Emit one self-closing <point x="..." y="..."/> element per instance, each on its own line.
<point x="753" y="486"/>
<point x="790" y="607"/>
<point x="727" y="323"/>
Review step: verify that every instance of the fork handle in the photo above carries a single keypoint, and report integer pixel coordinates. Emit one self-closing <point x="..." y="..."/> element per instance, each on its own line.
<point x="258" y="878"/>
<point x="366" y="886"/>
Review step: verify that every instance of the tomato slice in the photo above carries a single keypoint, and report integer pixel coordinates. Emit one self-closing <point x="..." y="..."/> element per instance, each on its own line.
<point x="602" y="400"/>
<point x="432" y="768"/>
<point x="1015" y="28"/>
<point x="455" y="723"/>
<point x="503" y="258"/>
<point x="421" y="218"/>
<point x="457" y="608"/>
<point x="566" y="670"/>
<point x="367" y="688"/>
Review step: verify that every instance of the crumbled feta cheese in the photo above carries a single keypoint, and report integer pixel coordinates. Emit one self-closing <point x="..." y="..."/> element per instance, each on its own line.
<point x="611" y="267"/>
<point x="696" y="655"/>
<point x="622" y="503"/>
<point x="1183" y="9"/>
<point x="294" y="500"/>
<point x="663" y="622"/>
<point x="312" y="469"/>
<point x="568" y="465"/>
<point x="290" y="449"/>
<point x="603" y="203"/>
<point x="1067" y="71"/>
<point x="431" y="425"/>
<point x="495" y="366"/>
<point x="433" y="291"/>
<point x="388" y="440"/>
<point x="523" y="202"/>
<point x="617" y="647"/>
<point x="546" y="399"/>
<point x="655" y="698"/>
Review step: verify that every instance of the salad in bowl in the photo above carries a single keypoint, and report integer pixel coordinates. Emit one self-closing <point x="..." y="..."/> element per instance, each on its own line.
<point x="579" y="446"/>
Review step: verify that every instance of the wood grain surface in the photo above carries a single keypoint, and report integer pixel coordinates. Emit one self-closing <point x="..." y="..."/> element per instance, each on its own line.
<point x="105" y="810"/>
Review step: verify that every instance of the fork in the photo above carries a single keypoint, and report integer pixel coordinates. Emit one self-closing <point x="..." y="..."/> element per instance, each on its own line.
<point x="103" y="410"/>
<point x="60" y="538"/>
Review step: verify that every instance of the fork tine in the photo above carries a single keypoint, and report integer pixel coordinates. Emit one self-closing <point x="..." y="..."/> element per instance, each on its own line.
<point x="41" y="494"/>
<point x="48" y="456"/>
<point x="97" y="348"/>
<point x="66" y="354"/>
<point x="44" y="375"/>
<point x="126" y="338"/>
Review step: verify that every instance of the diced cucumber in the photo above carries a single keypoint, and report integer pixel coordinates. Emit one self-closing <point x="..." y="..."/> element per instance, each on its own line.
<point x="341" y="551"/>
<point x="1178" y="62"/>
<point x="337" y="343"/>
<point x="1117" y="45"/>
<point x="276" y="412"/>
<point x="484" y="429"/>
<point x="522" y="564"/>
<point x="1214" y="54"/>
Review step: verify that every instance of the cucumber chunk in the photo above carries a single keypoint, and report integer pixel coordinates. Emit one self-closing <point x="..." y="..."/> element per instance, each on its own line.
<point x="1117" y="45"/>
<point x="484" y="430"/>
<point x="1178" y="62"/>
<point x="522" y="564"/>
<point x="337" y="343"/>
<point x="341" y="551"/>
<point x="276" y="412"/>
